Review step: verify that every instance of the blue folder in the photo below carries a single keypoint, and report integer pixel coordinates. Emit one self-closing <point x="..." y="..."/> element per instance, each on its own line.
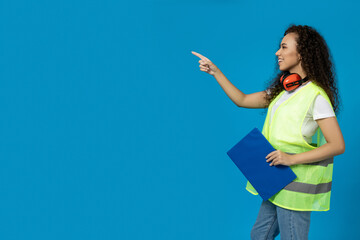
<point x="249" y="156"/>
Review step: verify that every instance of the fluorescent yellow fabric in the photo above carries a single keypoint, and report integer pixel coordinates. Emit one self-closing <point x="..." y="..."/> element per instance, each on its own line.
<point x="284" y="133"/>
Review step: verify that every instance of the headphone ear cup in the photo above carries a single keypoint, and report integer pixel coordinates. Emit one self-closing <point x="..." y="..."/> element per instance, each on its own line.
<point x="282" y="78"/>
<point x="291" y="82"/>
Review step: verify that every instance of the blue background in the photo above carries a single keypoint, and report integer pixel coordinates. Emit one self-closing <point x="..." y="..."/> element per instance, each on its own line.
<point x="109" y="130"/>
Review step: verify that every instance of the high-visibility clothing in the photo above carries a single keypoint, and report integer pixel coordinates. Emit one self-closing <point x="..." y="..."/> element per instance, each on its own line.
<point x="311" y="190"/>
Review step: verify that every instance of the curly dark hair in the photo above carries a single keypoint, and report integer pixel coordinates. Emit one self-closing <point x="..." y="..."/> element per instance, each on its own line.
<point x="316" y="62"/>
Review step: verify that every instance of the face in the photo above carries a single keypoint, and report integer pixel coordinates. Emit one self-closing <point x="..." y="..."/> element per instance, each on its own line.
<point x="288" y="57"/>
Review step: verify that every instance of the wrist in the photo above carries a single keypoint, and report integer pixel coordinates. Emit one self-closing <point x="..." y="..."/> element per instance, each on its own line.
<point x="217" y="73"/>
<point x="293" y="159"/>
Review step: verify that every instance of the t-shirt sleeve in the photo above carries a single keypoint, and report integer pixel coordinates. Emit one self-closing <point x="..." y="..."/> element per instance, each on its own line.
<point x="268" y="91"/>
<point x="322" y="109"/>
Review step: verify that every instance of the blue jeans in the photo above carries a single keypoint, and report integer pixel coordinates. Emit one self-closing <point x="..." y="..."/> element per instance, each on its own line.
<point x="272" y="220"/>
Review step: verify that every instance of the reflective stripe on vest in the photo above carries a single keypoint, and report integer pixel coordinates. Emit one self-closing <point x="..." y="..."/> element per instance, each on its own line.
<point x="309" y="188"/>
<point x="323" y="163"/>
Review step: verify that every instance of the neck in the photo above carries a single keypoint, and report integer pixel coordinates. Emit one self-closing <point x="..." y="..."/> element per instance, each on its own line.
<point x="299" y="71"/>
<point x="301" y="74"/>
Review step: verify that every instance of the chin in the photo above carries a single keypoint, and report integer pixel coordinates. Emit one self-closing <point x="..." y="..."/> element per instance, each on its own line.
<point x="284" y="69"/>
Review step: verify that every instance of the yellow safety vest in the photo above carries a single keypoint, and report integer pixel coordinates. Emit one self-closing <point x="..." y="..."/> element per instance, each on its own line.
<point x="311" y="190"/>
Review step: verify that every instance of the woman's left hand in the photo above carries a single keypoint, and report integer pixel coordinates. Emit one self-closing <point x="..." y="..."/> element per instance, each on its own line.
<point x="279" y="158"/>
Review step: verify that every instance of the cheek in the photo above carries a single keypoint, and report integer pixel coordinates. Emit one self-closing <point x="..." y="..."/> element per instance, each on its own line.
<point x="291" y="57"/>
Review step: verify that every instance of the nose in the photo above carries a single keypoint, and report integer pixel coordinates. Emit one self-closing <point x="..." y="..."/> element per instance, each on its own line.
<point x="277" y="53"/>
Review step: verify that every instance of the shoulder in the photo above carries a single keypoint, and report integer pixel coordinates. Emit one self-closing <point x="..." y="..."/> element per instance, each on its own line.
<point x="319" y="90"/>
<point x="321" y="108"/>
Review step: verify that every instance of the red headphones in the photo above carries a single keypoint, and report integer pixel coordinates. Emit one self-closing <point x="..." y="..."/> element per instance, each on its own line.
<point x="291" y="81"/>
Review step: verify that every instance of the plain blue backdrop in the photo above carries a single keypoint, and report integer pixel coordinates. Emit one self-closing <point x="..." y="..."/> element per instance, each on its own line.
<point x="109" y="130"/>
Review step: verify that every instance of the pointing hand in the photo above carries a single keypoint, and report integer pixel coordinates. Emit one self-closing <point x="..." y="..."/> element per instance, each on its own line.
<point x="206" y="65"/>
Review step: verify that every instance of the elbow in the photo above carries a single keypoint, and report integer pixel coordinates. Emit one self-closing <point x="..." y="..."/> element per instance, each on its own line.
<point x="341" y="148"/>
<point x="337" y="148"/>
<point x="238" y="103"/>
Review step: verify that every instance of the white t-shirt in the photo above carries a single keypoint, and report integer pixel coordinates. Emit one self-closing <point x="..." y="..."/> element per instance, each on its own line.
<point x="319" y="109"/>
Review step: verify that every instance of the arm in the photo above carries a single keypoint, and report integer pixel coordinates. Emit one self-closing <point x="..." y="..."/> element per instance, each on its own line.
<point x="254" y="100"/>
<point x="335" y="143"/>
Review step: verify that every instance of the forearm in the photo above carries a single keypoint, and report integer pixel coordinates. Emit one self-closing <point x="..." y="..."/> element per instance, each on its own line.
<point x="323" y="152"/>
<point x="231" y="91"/>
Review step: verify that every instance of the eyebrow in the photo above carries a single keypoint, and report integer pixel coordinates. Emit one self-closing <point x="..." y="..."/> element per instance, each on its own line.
<point x="283" y="44"/>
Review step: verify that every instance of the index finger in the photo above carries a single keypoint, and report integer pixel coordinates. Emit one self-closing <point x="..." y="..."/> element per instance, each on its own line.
<point x="270" y="154"/>
<point x="199" y="55"/>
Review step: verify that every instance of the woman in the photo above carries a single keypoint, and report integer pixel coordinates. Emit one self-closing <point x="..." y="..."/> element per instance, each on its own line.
<point x="297" y="112"/>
